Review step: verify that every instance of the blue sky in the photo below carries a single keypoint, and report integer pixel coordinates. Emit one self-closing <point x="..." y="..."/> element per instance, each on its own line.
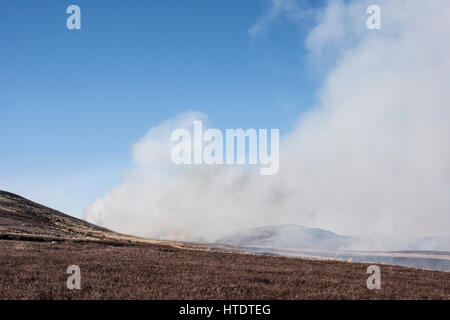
<point x="74" y="102"/>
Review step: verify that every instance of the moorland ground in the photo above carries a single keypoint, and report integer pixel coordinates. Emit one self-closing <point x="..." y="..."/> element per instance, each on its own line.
<point x="37" y="270"/>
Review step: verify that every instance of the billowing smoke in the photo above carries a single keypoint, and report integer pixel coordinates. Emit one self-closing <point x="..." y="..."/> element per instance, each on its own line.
<point x="372" y="158"/>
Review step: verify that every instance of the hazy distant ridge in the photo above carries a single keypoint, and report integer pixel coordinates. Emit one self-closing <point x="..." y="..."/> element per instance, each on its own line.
<point x="296" y="236"/>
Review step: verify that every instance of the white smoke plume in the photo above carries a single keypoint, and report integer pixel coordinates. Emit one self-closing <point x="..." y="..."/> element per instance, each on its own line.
<point x="372" y="158"/>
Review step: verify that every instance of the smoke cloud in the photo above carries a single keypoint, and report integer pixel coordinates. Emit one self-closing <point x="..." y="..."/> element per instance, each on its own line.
<point x="371" y="159"/>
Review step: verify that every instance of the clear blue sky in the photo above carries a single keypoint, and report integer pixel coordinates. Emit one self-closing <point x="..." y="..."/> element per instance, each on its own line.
<point x="73" y="102"/>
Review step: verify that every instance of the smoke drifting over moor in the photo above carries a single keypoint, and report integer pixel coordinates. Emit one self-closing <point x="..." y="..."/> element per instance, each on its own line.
<point x="371" y="159"/>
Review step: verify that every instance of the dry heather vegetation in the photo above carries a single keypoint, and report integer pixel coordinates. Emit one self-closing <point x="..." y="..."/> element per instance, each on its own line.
<point x="38" y="244"/>
<point x="37" y="270"/>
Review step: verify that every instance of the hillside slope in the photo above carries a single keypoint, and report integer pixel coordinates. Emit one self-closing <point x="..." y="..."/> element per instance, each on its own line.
<point x="21" y="218"/>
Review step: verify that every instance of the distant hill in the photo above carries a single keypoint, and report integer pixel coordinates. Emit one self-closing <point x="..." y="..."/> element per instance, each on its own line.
<point x="299" y="241"/>
<point x="289" y="236"/>
<point x="24" y="219"/>
<point x="301" y="237"/>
